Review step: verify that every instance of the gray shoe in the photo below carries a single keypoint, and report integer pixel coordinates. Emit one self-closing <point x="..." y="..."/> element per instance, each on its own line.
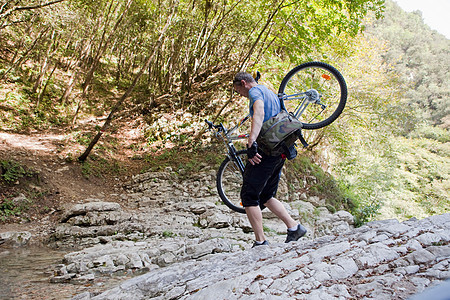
<point x="293" y="236"/>
<point x="265" y="243"/>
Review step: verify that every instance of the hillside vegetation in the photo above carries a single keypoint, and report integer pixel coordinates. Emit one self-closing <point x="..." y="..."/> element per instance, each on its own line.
<point x="134" y="80"/>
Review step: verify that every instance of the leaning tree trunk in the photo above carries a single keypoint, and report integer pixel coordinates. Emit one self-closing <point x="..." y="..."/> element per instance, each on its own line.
<point x="252" y="48"/>
<point x="45" y="64"/>
<point x="44" y="89"/>
<point x="120" y="102"/>
<point x="104" y="43"/>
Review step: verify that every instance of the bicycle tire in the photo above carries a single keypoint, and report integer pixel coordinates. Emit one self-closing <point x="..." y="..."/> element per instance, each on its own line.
<point x="229" y="182"/>
<point x="331" y="90"/>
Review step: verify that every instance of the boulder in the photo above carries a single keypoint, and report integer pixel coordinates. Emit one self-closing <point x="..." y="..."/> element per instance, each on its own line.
<point x="15" y="238"/>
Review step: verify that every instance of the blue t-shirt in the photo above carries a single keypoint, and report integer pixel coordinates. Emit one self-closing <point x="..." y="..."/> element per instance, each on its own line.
<point x="271" y="101"/>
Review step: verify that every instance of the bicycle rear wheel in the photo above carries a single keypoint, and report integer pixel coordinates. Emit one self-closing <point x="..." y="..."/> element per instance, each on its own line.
<point x="315" y="92"/>
<point x="229" y="182"/>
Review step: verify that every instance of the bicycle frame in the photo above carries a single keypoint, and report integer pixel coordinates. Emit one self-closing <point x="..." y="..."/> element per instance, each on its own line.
<point x="302" y="95"/>
<point x="226" y="136"/>
<point x="308" y="97"/>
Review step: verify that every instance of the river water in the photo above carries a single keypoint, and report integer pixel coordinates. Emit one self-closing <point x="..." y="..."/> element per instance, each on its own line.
<point x="25" y="274"/>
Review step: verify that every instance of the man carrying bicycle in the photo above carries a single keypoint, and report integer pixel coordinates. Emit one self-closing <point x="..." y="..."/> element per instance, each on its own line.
<point x="262" y="172"/>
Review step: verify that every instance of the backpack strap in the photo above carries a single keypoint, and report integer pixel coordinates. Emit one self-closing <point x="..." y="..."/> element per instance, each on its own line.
<point x="301" y="138"/>
<point x="284" y="147"/>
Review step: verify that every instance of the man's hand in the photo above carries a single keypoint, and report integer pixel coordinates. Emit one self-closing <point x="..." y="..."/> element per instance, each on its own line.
<point x="252" y="153"/>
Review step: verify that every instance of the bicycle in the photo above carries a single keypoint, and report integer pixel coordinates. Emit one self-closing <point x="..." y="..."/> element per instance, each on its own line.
<point x="314" y="92"/>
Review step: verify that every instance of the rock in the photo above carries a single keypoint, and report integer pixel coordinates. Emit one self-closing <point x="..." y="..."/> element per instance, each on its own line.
<point x="345" y="216"/>
<point x="317" y="201"/>
<point x="200" y="207"/>
<point x="207" y="247"/>
<point x="15" y="238"/>
<point x="20" y="201"/>
<point x="219" y="220"/>
<point x="341" y="266"/>
<point x="165" y="227"/>
<point x="127" y="255"/>
<point x="83" y="209"/>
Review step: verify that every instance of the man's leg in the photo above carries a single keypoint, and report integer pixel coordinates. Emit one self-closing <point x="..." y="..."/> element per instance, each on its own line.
<point x="295" y="230"/>
<point x="254" y="215"/>
<point x="280" y="211"/>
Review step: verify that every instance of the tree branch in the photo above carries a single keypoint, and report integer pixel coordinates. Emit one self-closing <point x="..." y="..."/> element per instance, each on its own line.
<point x="29" y="7"/>
<point x="120" y="102"/>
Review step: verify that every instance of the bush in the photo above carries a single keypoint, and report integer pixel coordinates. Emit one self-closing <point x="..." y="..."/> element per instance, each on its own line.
<point x="320" y="183"/>
<point x="12" y="171"/>
<point x="10" y="208"/>
<point x="431" y="132"/>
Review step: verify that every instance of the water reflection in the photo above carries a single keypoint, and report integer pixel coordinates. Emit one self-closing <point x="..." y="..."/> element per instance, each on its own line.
<point x="25" y="274"/>
<point x="26" y="271"/>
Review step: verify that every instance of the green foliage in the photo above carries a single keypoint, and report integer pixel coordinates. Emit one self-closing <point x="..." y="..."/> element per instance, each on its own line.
<point x="366" y="213"/>
<point x="86" y="169"/>
<point x="398" y="178"/>
<point x="203" y="39"/>
<point x="432" y="133"/>
<point x="18" y="110"/>
<point x="267" y="229"/>
<point x="98" y="166"/>
<point x="83" y="138"/>
<point x="396" y="74"/>
<point x="7" y="209"/>
<point x="423" y="173"/>
<point x="11" y="171"/>
<point x="182" y="159"/>
<point x="391" y="176"/>
<point x="168" y="234"/>
<point x="310" y="26"/>
<point x="10" y="209"/>
<point x="420" y="55"/>
<point x="320" y="183"/>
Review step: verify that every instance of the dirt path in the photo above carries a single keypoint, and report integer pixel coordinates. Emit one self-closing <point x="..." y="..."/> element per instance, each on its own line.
<point x="59" y="183"/>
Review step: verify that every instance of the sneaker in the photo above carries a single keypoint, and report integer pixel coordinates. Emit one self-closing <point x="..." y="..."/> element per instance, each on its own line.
<point x="295" y="235"/>
<point x="265" y="243"/>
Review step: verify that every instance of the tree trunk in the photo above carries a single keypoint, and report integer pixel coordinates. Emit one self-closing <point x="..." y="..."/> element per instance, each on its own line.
<point x="41" y="95"/>
<point x="30" y="7"/>
<point x="120" y="102"/>
<point x="24" y="55"/>
<point x="49" y="53"/>
<point x="104" y="43"/>
<point x="69" y="87"/>
<point x="269" y="20"/>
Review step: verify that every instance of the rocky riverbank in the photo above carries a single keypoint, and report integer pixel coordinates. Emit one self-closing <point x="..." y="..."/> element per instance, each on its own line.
<point x="175" y="231"/>
<point x="165" y="220"/>
<point x="381" y="260"/>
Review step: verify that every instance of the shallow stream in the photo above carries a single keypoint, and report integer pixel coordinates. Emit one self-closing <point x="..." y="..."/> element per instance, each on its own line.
<point x="25" y="274"/>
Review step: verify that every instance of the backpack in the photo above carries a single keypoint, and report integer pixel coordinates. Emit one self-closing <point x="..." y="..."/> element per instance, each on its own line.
<point x="279" y="134"/>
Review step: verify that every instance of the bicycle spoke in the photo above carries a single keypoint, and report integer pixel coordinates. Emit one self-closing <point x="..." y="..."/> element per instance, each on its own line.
<point x="230" y="183"/>
<point x="315" y="117"/>
<point x="325" y="91"/>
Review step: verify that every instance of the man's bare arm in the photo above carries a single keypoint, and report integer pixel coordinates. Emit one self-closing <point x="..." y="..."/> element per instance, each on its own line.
<point x="257" y="121"/>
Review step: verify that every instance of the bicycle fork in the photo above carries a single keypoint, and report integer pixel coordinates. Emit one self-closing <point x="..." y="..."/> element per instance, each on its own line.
<point x="232" y="154"/>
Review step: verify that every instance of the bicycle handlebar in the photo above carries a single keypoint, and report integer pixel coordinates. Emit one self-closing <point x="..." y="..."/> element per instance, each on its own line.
<point x="211" y="125"/>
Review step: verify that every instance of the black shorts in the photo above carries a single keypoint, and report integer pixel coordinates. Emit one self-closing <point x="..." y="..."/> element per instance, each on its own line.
<point x="260" y="182"/>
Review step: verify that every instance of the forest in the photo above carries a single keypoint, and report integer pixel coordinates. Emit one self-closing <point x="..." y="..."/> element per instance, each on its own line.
<point x="95" y="69"/>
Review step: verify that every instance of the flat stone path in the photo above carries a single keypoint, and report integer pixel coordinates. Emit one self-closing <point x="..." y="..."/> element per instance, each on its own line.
<point x="380" y="260"/>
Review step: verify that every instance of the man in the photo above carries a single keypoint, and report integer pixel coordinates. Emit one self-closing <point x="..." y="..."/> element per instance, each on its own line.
<point x="262" y="172"/>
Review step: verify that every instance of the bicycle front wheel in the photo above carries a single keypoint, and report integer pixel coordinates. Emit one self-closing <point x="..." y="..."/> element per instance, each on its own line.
<point x="315" y="92"/>
<point x="229" y="182"/>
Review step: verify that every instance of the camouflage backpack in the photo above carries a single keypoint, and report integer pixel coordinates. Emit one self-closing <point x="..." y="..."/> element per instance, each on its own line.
<point x="279" y="133"/>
